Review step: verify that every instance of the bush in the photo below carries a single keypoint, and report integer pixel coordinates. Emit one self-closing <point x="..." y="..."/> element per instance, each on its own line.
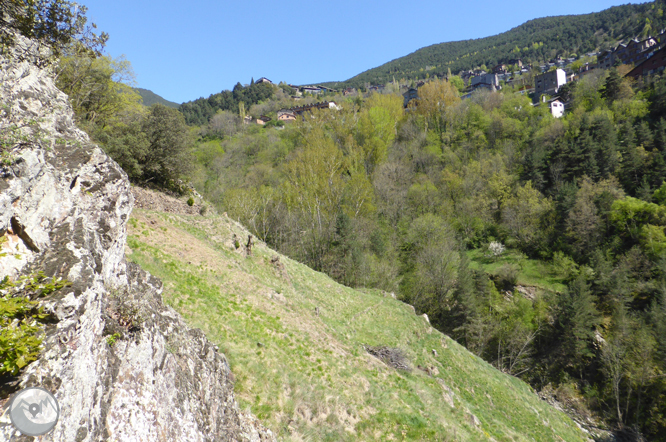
<point x="22" y="319"/>
<point x="507" y="276"/>
<point x="190" y="201"/>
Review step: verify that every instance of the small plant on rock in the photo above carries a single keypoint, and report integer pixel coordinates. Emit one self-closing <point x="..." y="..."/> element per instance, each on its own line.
<point x="22" y="319"/>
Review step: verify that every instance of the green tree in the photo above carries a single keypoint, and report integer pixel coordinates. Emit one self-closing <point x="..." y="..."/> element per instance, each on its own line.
<point x="100" y="89"/>
<point x="56" y="23"/>
<point x="168" y="156"/>
<point x="528" y="215"/>
<point x="578" y="319"/>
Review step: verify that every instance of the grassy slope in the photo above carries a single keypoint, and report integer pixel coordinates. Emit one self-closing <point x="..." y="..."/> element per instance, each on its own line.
<point x="532" y="272"/>
<point x="308" y="377"/>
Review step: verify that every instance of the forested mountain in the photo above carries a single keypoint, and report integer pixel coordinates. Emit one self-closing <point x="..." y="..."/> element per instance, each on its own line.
<point x="201" y="110"/>
<point x="535" y="41"/>
<point x="150" y="98"/>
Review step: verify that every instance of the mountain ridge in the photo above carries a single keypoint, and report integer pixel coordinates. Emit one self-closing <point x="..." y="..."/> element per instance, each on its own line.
<point x="537" y="40"/>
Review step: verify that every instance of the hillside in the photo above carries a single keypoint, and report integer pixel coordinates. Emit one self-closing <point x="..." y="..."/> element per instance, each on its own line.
<point x="307" y="376"/>
<point x="150" y="98"/>
<point x="533" y="42"/>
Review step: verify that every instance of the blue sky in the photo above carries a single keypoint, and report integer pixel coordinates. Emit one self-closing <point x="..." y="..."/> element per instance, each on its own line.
<point x="185" y="50"/>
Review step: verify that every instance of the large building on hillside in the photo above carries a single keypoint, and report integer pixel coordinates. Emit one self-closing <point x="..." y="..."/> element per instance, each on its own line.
<point x="653" y="65"/>
<point x="634" y="52"/>
<point x="549" y="82"/>
<point x="486" y="81"/>
<point x="411" y="94"/>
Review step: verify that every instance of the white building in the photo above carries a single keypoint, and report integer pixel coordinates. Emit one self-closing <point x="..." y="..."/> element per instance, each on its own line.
<point x="556" y="108"/>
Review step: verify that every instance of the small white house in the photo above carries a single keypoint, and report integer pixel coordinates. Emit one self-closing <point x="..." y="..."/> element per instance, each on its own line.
<point x="556" y="108"/>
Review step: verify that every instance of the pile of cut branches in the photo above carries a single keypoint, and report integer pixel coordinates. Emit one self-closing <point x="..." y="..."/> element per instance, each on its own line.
<point x="393" y="357"/>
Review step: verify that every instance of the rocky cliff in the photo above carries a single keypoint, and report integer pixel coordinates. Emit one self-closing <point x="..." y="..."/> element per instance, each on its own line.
<point x="122" y="365"/>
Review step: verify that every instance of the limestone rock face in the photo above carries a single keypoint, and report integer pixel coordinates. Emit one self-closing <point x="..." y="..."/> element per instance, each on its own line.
<point x="122" y="365"/>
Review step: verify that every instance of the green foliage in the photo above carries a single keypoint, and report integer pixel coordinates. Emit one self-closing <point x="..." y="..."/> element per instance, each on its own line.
<point x="200" y="111"/>
<point x="168" y="146"/>
<point x="22" y="319"/>
<point x="99" y="88"/>
<point x="190" y="201"/>
<point x="410" y="202"/>
<point x="111" y="339"/>
<point x="56" y="23"/>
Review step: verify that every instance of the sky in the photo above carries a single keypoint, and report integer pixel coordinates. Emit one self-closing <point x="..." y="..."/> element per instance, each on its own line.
<point x="183" y="50"/>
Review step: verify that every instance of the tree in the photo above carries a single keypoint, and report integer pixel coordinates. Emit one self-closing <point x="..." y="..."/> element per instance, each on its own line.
<point x="431" y="261"/>
<point x="377" y="127"/>
<point x="578" y="319"/>
<point x="313" y="192"/>
<point x="528" y="216"/>
<point x="436" y="97"/>
<point x="167" y="158"/>
<point x="56" y="23"/>
<point x="100" y="89"/>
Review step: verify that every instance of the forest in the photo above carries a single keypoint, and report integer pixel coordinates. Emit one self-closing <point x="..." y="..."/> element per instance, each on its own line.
<point x="536" y="242"/>
<point x="534" y="42"/>
<point x="201" y="110"/>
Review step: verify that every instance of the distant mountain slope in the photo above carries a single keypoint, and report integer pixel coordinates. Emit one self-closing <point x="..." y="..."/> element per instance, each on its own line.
<point x="535" y="41"/>
<point x="150" y="98"/>
<point x="296" y="342"/>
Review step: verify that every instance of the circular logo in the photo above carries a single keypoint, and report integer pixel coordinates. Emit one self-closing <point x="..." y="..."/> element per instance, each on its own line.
<point x="34" y="411"/>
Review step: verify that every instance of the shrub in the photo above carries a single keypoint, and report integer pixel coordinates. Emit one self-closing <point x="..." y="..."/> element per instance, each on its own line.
<point x="190" y="201"/>
<point x="507" y="276"/>
<point x="495" y="248"/>
<point x="22" y="319"/>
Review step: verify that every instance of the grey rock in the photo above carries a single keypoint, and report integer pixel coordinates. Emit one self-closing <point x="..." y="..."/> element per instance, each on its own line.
<point x="65" y="204"/>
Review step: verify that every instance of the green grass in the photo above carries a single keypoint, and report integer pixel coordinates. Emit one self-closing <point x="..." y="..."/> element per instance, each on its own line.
<point x="532" y="272"/>
<point x="308" y="377"/>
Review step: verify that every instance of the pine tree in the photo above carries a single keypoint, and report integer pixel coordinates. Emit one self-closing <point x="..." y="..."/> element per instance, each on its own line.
<point x="611" y="90"/>
<point x="578" y="319"/>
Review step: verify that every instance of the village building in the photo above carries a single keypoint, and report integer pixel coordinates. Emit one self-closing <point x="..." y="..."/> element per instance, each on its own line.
<point x="549" y="82"/>
<point x="286" y="115"/>
<point x="634" y="52"/>
<point x="264" y="80"/>
<point x="411" y="94"/>
<point x="486" y="81"/>
<point x="653" y="65"/>
<point x="311" y="90"/>
<point x="499" y="69"/>
<point x="299" y="110"/>
<point x="263" y="120"/>
<point x="556" y="108"/>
